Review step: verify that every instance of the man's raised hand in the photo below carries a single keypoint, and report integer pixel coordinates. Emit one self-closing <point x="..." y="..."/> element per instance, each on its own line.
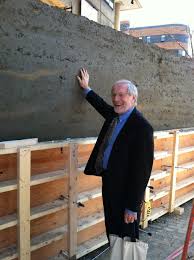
<point x="83" y="78"/>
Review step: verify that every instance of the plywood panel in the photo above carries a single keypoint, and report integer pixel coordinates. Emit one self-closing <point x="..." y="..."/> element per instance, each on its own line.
<point x="91" y="206"/>
<point x="160" y="202"/>
<point x="8" y="237"/>
<point x="49" y="160"/>
<point x="84" y="152"/>
<point x="86" y="182"/>
<point x="187" y="140"/>
<point x="48" y="192"/>
<point x="161" y="183"/>
<point x="186" y="157"/>
<point x="185" y="190"/>
<point x="162" y="163"/>
<point x="8" y="203"/>
<point x="164" y="144"/>
<point x="51" y="250"/>
<point x="49" y="222"/>
<point x="40" y="194"/>
<point x="184" y="174"/>
<point x="164" y="201"/>
<point x="91" y="232"/>
<point x="8" y="167"/>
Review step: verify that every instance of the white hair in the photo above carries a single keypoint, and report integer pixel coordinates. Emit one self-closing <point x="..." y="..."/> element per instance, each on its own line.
<point x="132" y="89"/>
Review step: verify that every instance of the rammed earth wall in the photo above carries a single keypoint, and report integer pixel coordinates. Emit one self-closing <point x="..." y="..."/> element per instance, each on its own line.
<point x="41" y="51"/>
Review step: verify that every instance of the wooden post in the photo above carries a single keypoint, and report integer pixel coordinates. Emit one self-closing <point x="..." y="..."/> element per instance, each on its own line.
<point x="174" y="171"/>
<point x="145" y="207"/>
<point x="23" y="203"/>
<point x="72" y="170"/>
<point x="117" y="15"/>
<point x="76" y="7"/>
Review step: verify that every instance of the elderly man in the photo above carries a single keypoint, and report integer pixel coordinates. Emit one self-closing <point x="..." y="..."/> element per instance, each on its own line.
<point x="122" y="155"/>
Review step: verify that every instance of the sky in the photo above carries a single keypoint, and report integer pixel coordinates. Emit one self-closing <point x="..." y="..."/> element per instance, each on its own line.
<point x="156" y="12"/>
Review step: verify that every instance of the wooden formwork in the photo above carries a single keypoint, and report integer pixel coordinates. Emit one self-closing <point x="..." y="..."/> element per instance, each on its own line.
<point x="48" y="207"/>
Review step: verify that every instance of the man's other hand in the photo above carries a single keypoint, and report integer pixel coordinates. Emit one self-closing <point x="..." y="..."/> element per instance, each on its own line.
<point x="83" y="78"/>
<point x="129" y="217"/>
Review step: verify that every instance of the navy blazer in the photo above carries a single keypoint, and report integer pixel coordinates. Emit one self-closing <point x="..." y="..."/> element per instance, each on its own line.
<point x="131" y="158"/>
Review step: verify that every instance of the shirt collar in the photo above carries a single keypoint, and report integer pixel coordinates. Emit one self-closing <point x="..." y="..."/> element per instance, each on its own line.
<point x="125" y="115"/>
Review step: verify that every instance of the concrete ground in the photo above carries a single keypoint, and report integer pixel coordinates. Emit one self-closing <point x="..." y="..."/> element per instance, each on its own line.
<point x="168" y="234"/>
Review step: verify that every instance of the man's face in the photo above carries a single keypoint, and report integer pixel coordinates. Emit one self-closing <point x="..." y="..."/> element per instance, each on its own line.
<point x="121" y="99"/>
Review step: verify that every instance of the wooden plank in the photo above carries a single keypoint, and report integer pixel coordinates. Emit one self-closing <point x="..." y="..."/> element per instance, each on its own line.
<point x="84" y="152"/>
<point x="72" y="170"/>
<point x="8" y="151"/>
<point x="186" y="132"/>
<point x="56" y="248"/>
<point x="81" y="141"/>
<point x="85" y="182"/>
<point x="184" y="183"/>
<point x="160" y="202"/>
<point x="91" y="194"/>
<point x="48" y="208"/>
<point x="185" y="166"/>
<point x="8" y="253"/>
<point x="47" y="177"/>
<point x="157" y="194"/>
<point x="181" y="200"/>
<point x="35" y="180"/>
<point x="8" y="186"/>
<point x="18" y="143"/>
<point x="36" y="243"/>
<point x="49" y="145"/>
<point x="186" y="150"/>
<point x="8" y="221"/>
<point x="158" y="212"/>
<point x="186" y="141"/>
<point x="174" y="171"/>
<point x="38" y="147"/>
<point x="90" y="220"/>
<point x="163" y="144"/>
<point x="90" y="207"/>
<point x="65" y="143"/>
<point x="8" y="167"/>
<point x="91" y="245"/>
<point x="162" y="134"/>
<point x="49" y="237"/>
<point x="184" y="191"/>
<point x="159" y="174"/>
<point x="48" y="192"/>
<point x="85" y="247"/>
<point x="56" y="3"/>
<point x="36" y="212"/>
<point x="161" y="154"/>
<point x="23" y="202"/>
<point x="90" y="232"/>
<point x="49" y="160"/>
<point x="178" y="211"/>
<point x="87" y="140"/>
